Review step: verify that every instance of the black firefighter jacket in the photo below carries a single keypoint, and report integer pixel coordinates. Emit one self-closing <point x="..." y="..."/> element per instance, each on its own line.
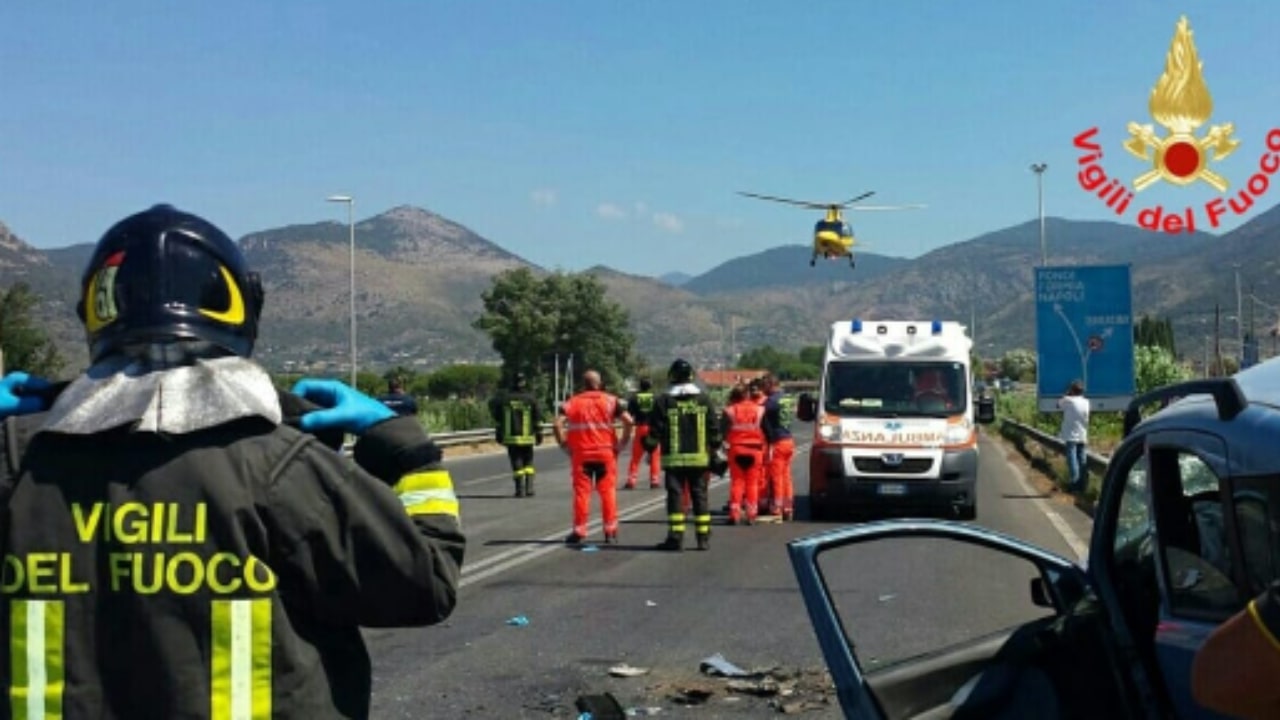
<point x="221" y="574"/>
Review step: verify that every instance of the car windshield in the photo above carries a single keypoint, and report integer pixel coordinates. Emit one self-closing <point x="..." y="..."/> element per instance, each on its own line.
<point x="895" y="389"/>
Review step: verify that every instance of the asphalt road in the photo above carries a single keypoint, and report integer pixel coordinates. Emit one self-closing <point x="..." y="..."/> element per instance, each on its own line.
<point x="666" y="612"/>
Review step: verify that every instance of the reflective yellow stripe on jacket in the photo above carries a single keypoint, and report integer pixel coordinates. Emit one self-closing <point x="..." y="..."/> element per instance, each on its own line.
<point x="36" y="631"/>
<point x="427" y="493"/>
<point x="240" y="673"/>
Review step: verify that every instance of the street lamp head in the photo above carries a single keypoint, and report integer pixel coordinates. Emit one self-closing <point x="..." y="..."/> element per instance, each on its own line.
<point x="340" y="198"/>
<point x="1039" y="167"/>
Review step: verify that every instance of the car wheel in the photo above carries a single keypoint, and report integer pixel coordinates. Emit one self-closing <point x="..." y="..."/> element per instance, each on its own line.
<point x="819" y="510"/>
<point x="967" y="512"/>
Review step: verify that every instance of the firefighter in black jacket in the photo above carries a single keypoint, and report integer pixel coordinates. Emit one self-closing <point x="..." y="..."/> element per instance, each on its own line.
<point x="686" y="426"/>
<point x="517" y="422"/>
<point x="171" y="549"/>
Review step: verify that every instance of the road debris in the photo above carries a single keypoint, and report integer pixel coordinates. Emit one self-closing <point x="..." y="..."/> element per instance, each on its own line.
<point x="718" y="665"/>
<point x="765" y="687"/>
<point x="650" y="603"/>
<point x="692" y="696"/>
<point x="518" y="621"/>
<point x="887" y="598"/>
<point x="590" y="548"/>
<point x="639" y="711"/>
<point x="625" y="670"/>
<point x="600" y="707"/>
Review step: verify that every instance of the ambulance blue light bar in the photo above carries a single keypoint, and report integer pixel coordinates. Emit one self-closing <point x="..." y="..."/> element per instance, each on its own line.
<point x="857" y="325"/>
<point x="937" y="327"/>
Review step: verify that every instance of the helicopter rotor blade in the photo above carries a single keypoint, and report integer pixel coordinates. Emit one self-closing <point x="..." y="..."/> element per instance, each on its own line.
<point x="801" y="203"/>
<point x="863" y="196"/>
<point x="886" y="207"/>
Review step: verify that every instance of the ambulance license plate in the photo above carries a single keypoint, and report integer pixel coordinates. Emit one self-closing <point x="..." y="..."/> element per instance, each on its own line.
<point x="892" y="489"/>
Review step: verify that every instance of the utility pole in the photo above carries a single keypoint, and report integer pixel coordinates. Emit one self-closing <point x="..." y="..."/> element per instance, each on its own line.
<point x="1039" y="169"/>
<point x="1239" y="317"/>
<point x="733" y="341"/>
<point x="1217" y="341"/>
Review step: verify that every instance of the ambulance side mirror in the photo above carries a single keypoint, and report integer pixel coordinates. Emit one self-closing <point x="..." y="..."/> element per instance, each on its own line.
<point x="986" y="410"/>
<point x="806" y="408"/>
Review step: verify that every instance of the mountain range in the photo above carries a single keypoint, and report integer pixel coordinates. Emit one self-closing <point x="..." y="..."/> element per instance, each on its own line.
<point x="419" y="277"/>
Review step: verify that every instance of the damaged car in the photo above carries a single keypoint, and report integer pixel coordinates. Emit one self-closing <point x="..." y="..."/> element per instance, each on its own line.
<point x="1186" y="530"/>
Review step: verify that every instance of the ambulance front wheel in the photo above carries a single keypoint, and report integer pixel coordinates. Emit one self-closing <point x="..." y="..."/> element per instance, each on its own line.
<point x="967" y="512"/>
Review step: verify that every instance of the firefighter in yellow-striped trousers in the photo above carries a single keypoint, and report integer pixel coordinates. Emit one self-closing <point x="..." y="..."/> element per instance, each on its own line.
<point x="517" y="421"/>
<point x="182" y="539"/>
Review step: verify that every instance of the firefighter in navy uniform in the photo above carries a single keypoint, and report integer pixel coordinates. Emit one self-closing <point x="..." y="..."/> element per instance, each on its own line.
<point x="171" y="549"/>
<point x="517" y="421"/>
<point x="686" y="426"/>
<point x="641" y="408"/>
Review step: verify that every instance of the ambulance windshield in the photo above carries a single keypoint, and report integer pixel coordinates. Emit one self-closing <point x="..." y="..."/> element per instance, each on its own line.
<point x="895" y="389"/>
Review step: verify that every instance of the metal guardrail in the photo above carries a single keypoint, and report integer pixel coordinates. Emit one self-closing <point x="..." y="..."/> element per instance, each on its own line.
<point x="464" y="437"/>
<point x="1096" y="461"/>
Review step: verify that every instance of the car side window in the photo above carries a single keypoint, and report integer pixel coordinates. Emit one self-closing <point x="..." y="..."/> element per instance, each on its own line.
<point x="1187" y="497"/>
<point x="1133" y="540"/>
<point x="1256" y="502"/>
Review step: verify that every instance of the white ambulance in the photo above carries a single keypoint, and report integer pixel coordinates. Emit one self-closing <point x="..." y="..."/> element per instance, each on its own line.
<point x="895" y="420"/>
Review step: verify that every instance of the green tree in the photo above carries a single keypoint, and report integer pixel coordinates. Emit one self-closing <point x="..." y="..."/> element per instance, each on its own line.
<point x="783" y="365"/>
<point x="405" y="375"/>
<point x="765" y="357"/>
<point x="1154" y="332"/>
<point x="1155" y="366"/>
<point x="463" y="381"/>
<point x="26" y="347"/>
<point x="526" y="318"/>
<point x="1019" y="364"/>
<point x="813" y="355"/>
<point x="368" y="382"/>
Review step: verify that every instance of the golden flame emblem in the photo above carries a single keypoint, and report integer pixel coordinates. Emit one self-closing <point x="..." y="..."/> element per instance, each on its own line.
<point x="1180" y="102"/>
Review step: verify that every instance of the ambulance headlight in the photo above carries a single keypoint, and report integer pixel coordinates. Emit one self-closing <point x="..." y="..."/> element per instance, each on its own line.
<point x="829" y="433"/>
<point x="958" y="434"/>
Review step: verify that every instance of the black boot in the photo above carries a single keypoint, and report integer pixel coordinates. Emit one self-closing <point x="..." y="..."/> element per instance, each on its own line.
<point x="519" y="486"/>
<point x="672" y="544"/>
<point x="704" y="541"/>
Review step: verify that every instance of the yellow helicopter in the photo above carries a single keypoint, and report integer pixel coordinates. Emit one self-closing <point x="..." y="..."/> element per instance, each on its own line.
<point x="832" y="236"/>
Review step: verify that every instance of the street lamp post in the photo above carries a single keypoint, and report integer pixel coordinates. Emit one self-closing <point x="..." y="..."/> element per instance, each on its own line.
<point x="351" y="223"/>
<point x="1039" y="169"/>
<point x="1239" y="317"/>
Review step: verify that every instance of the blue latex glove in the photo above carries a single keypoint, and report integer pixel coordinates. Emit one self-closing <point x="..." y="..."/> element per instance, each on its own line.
<point x="346" y="408"/>
<point x="16" y="396"/>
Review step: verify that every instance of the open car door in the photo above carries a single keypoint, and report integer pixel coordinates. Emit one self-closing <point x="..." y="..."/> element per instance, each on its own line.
<point x="934" y="620"/>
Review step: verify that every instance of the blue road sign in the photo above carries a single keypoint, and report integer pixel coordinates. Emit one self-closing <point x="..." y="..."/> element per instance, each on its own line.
<point x="1084" y="331"/>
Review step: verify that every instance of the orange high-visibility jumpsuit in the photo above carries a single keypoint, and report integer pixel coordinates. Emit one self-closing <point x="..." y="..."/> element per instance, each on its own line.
<point x="764" y="479"/>
<point x="592" y="445"/>
<point x="637" y="454"/>
<point x="745" y="436"/>
<point x="781" y="449"/>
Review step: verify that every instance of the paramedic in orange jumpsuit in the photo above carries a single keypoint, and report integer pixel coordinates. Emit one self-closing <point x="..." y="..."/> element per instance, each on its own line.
<point x="778" y="410"/>
<point x="584" y="429"/>
<point x="742" y="427"/>
<point x="764" y="479"/>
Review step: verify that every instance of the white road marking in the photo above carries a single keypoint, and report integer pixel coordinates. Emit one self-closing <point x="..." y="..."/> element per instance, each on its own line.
<point x="521" y="554"/>
<point x="1077" y="544"/>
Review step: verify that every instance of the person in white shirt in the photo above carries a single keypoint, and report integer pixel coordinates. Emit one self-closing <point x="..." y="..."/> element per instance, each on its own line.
<point x="1075" y="434"/>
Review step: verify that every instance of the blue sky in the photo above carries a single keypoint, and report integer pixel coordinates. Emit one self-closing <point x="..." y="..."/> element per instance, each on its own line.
<point x="586" y="132"/>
